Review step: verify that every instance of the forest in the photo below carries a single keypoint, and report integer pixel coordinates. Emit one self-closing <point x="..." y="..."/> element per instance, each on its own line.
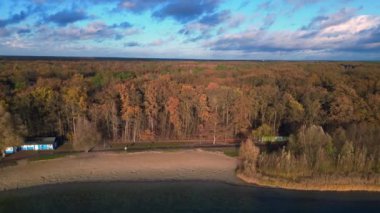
<point x="330" y="110"/>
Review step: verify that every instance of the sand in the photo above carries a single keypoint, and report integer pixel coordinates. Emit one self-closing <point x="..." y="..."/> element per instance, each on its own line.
<point x="148" y="166"/>
<point x="313" y="185"/>
<point x="143" y="166"/>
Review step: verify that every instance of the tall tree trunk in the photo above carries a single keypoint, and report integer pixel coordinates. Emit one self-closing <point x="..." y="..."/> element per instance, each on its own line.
<point x="223" y="113"/>
<point x="108" y="125"/>
<point x="125" y="132"/>
<point x="228" y="116"/>
<point x="60" y="125"/>
<point x="73" y="120"/>
<point x="74" y="129"/>
<point x="151" y="124"/>
<point x="215" y="122"/>
<point x="134" y="131"/>
<point x="274" y="122"/>
<point x="115" y="122"/>
<point x="214" y="134"/>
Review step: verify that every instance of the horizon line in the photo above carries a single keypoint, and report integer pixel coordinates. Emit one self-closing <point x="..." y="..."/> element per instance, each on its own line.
<point x="46" y="57"/>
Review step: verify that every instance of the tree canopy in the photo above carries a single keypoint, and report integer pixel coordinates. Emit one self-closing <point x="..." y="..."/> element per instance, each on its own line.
<point x="9" y="131"/>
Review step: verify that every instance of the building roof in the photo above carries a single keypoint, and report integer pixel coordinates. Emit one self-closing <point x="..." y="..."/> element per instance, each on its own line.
<point x="41" y="140"/>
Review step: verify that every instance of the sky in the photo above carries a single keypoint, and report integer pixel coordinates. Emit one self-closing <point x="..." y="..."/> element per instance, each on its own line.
<point x="193" y="29"/>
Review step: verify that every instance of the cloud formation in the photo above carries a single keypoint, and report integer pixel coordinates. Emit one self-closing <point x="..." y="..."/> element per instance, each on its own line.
<point x="179" y="10"/>
<point x="124" y="25"/>
<point x="185" y="11"/>
<point x="14" y="19"/>
<point x="268" y="21"/>
<point x="267" y="5"/>
<point x="95" y="30"/>
<point x="137" y="5"/>
<point x="65" y="17"/>
<point x="213" y="28"/>
<point x="330" y="33"/>
<point x="302" y="3"/>
<point x="215" y="18"/>
<point x="202" y="28"/>
<point x="132" y="44"/>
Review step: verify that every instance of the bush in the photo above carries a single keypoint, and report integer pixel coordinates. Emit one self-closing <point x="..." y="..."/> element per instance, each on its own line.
<point x="283" y="164"/>
<point x="248" y="155"/>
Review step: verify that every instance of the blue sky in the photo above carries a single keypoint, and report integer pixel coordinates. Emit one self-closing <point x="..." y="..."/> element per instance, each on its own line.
<point x="198" y="29"/>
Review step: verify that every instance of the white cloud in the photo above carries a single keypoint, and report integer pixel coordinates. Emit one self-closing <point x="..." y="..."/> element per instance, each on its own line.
<point x="332" y="34"/>
<point x="353" y="26"/>
<point x="16" y="42"/>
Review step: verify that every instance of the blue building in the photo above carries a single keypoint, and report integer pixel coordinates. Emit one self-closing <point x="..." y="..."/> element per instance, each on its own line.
<point x="273" y="139"/>
<point x="35" y="144"/>
<point x="10" y="150"/>
<point x="41" y="143"/>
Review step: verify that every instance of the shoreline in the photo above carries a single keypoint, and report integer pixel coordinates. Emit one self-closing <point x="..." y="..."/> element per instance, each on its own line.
<point x="151" y="166"/>
<point x="305" y="186"/>
<point x="105" y="167"/>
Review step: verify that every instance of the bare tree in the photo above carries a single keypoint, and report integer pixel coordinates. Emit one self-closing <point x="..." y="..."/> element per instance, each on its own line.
<point x="86" y="135"/>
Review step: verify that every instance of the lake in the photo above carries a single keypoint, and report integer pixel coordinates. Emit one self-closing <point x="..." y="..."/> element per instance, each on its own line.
<point x="180" y="196"/>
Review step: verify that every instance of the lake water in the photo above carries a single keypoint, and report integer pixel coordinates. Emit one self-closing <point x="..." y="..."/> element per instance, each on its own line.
<point x="187" y="196"/>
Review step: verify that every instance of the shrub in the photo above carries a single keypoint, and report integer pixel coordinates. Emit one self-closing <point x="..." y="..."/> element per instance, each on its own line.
<point x="248" y="155"/>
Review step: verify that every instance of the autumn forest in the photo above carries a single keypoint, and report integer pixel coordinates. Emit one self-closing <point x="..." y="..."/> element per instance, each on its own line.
<point x="330" y="110"/>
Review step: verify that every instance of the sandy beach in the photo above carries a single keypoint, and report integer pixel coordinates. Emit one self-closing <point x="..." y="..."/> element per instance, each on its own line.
<point x="143" y="166"/>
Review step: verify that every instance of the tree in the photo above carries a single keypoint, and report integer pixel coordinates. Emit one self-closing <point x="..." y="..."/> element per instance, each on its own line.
<point x="312" y="111"/>
<point x="9" y="131"/>
<point x="86" y="135"/>
<point x="172" y="106"/>
<point x="346" y="157"/>
<point x="43" y="101"/>
<point x="131" y="102"/>
<point x="241" y="111"/>
<point x="204" y="115"/>
<point x="75" y="100"/>
<point x="314" y="143"/>
<point x="294" y="109"/>
<point x="248" y="155"/>
<point x="151" y="105"/>
<point x="263" y="130"/>
<point x="105" y="113"/>
<point x="214" y="93"/>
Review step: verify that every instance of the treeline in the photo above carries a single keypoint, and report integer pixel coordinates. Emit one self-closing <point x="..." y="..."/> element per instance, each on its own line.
<point x="132" y="101"/>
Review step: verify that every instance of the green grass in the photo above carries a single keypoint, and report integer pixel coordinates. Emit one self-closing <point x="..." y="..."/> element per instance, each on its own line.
<point x="48" y="157"/>
<point x="151" y="146"/>
<point x="232" y="153"/>
<point x="198" y="70"/>
<point x="229" y="151"/>
<point x="122" y="76"/>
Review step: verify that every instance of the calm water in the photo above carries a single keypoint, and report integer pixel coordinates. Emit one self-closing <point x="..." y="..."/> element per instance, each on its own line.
<point x="180" y="197"/>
